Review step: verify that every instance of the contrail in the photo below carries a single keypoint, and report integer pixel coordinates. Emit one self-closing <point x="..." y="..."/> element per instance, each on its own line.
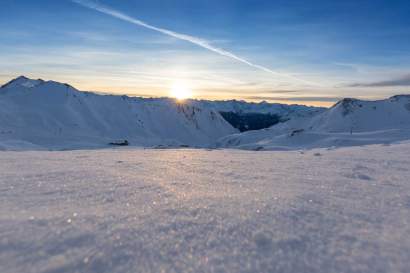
<point x="194" y="40"/>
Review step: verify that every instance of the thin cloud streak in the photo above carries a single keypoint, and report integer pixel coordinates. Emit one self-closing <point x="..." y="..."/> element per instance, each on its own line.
<point x="231" y="90"/>
<point x="404" y="81"/>
<point x="194" y="40"/>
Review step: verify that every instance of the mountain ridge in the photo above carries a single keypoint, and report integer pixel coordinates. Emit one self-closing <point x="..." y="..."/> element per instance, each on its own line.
<point x="52" y="115"/>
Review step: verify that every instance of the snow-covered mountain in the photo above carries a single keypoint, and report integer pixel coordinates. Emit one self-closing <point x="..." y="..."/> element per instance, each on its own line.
<point x="349" y="122"/>
<point x="38" y="114"/>
<point x="47" y="114"/>
<point x="363" y="116"/>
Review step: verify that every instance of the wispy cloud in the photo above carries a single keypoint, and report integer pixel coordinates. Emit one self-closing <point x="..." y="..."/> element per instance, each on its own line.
<point x="192" y="39"/>
<point x="402" y="81"/>
<point x="257" y="90"/>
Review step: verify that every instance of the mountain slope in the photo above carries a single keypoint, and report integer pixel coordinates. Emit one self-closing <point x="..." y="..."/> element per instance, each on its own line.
<point x="349" y="122"/>
<point x="47" y="114"/>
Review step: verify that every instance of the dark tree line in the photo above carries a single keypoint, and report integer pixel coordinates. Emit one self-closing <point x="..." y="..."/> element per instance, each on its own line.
<point x="250" y="121"/>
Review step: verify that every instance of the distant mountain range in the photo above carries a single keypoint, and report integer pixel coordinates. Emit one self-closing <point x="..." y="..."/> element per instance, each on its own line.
<point x="349" y="122"/>
<point x="38" y="114"/>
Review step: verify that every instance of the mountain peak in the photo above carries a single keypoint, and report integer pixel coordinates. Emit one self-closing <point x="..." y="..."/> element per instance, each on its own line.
<point x="347" y="101"/>
<point x="400" y="97"/>
<point x="22" y="77"/>
<point x="22" y="81"/>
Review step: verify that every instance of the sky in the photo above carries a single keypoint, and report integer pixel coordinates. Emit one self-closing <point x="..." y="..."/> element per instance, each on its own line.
<point x="290" y="51"/>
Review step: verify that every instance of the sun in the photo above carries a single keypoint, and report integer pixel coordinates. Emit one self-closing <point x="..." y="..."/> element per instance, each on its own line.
<point x="180" y="91"/>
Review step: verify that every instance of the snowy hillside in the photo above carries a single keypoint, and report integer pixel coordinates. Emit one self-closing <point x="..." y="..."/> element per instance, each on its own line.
<point x="231" y="211"/>
<point x="349" y="122"/>
<point x="38" y="114"/>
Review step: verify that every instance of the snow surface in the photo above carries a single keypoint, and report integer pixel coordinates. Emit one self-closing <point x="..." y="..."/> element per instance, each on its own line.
<point x="135" y="210"/>
<point x="350" y="122"/>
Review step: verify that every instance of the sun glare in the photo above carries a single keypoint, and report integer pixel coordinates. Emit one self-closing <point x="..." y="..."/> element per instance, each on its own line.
<point x="180" y="92"/>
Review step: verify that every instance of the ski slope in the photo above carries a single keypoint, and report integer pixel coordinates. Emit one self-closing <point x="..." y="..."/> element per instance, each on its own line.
<point x="135" y="210"/>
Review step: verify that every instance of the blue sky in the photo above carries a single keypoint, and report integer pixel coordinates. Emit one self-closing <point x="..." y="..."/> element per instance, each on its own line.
<point x="319" y="51"/>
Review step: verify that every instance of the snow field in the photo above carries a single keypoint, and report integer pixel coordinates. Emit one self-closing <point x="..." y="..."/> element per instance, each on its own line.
<point x="136" y="210"/>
